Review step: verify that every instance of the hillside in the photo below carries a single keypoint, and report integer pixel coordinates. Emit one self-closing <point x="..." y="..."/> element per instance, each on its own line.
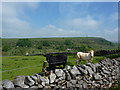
<point x="11" y="47"/>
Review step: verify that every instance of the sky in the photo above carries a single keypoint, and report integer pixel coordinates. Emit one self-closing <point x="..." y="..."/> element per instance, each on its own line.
<point x="60" y="19"/>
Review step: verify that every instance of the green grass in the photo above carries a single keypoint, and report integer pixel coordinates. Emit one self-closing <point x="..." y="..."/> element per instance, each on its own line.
<point x="9" y="63"/>
<point x="17" y="62"/>
<point x="113" y="56"/>
<point x="96" y="59"/>
<point x="27" y="71"/>
<point x="71" y="60"/>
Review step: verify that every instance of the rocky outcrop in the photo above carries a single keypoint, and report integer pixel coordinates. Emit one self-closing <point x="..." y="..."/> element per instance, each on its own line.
<point x="104" y="74"/>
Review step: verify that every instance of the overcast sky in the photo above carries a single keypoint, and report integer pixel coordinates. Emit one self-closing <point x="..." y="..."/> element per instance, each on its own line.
<point x="60" y="19"/>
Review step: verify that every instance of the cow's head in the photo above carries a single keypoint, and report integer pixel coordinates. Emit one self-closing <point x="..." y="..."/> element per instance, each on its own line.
<point x="92" y="53"/>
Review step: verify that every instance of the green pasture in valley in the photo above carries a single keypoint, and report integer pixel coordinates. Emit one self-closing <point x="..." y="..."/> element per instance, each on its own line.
<point x="21" y="65"/>
<point x="28" y="65"/>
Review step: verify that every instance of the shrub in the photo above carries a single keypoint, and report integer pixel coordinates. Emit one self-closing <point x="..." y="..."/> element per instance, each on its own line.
<point x="6" y="48"/>
<point x="68" y="42"/>
<point x="24" y="43"/>
<point x="46" y="43"/>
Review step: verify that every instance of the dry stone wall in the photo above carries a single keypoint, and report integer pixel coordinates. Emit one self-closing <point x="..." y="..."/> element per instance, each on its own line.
<point x="104" y="74"/>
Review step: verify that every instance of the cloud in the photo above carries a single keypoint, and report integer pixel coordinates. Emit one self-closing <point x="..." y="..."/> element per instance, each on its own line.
<point x="13" y="26"/>
<point x="16" y="27"/>
<point x="87" y="23"/>
<point x="108" y="34"/>
<point x="69" y="10"/>
<point x="111" y="35"/>
<point x="8" y="11"/>
<point x="33" y="5"/>
<point x="53" y="31"/>
<point x="115" y="16"/>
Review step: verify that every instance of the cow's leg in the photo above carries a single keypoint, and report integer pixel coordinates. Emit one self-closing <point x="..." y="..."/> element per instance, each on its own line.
<point x="87" y="61"/>
<point x="80" y="61"/>
<point x="91" y="60"/>
<point x="77" y="61"/>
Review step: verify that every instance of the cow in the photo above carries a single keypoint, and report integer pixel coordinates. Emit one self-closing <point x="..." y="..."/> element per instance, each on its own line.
<point x="85" y="56"/>
<point x="57" y="60"/>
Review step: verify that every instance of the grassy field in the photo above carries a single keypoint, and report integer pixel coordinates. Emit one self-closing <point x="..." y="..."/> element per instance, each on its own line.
<point x="21" y="65"/>
<point x="28" y="65"/>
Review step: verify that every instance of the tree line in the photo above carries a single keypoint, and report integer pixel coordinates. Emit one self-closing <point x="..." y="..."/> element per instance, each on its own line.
<point x="23" y="46"/>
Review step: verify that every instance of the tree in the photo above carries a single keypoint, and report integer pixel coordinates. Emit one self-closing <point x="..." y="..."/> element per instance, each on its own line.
<point x="61" y="47"/>
<point x="5" y="48"/>
<point x="68" y="42"/>
<point x="24" y="43"/>
<point x="46" y="43"/>
<point x="83" y="48"/>
<point x="39" y="47"/>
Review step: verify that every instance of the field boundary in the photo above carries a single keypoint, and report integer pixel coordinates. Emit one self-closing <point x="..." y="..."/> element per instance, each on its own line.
<point x="97" y="53"/>
<point x="20" y="68"/>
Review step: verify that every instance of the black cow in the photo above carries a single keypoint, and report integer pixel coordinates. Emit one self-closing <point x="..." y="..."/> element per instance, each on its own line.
<point x="57" y="60"/>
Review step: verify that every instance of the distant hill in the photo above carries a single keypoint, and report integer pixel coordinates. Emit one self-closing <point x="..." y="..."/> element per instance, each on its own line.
<point x="24" y="46"/>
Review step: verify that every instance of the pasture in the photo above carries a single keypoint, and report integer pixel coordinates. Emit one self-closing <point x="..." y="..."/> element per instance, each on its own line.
<point x="28" y="65"/>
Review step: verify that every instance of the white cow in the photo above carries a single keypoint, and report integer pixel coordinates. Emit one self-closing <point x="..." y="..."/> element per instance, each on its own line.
<point x="84" y="56"/>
